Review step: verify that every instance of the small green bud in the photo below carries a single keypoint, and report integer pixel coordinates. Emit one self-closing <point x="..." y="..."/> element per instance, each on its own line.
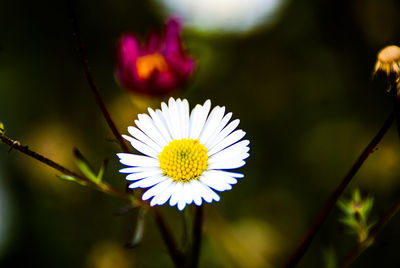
<point x="356" y="214"/>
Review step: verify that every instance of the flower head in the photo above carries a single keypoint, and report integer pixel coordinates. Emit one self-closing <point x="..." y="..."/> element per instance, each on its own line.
<point x="185" y="156"/>
<point x="157" y="67"/>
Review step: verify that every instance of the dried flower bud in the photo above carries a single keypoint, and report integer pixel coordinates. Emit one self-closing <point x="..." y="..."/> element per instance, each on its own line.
<point x="388" y="62"/>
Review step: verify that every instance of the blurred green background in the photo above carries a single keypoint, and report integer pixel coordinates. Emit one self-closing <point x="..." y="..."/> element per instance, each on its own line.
<point x="301" y="84"/>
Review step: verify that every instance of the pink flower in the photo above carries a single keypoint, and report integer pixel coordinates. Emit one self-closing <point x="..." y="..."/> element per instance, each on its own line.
<point x="158" y="67"/>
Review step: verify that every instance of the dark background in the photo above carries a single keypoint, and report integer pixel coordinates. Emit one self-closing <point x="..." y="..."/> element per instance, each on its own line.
<point x="302" y="88"/>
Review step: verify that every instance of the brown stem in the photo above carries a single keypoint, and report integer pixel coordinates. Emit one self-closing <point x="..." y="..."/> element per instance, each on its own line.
<point x="176" y="255"/>
<point x="360" y="248"/>
<point x="25" y="149"/>
<point x="92" y="84"/>
<point x="196" y="240"/>
<point x="319" y="220"/>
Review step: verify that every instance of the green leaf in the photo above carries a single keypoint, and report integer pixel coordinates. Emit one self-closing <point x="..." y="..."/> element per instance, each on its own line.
<point x="99" y="176"/>
<point x="139" y="229"/>
<point x="84" y="166"/>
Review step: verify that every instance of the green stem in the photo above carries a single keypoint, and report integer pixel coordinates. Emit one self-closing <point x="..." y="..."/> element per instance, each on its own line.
<point x="319" y="220"/>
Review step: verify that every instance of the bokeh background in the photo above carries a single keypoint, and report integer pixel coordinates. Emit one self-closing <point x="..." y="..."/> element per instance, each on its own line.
<point x="297" y="73"/>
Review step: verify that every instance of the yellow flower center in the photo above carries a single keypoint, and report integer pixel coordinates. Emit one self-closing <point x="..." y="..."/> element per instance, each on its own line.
<point x="146" y="65"/>
<point x="183" y="160"/>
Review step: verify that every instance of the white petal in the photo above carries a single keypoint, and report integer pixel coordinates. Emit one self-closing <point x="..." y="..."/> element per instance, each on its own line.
<point x="198" y="123"/>
<point x="193" y="118"/>
<point x="139" y="135"/>
<point x="181" y="204"/>
<point x="187" y="193"/>
<point x="135" y="160"/>
<point x="196" y="192"/>
<point x="214" y="119"/>
<point x="235" y="151"/>
<point x="157" y="189"/>
<point x="184" y="110"/>
<point x="222" y="176"/>
<point x="227" y="164"/>
<point x="218" y="129"/>
<point x="160" y="124"/>
<point x="206" y="193"/>
<point x="147" y="182"/>
<point x="168" y="118"/>
<point x="174" y="118"/>
<point x="224" y="173"/>
<point x="176" y="194"/>
<point x="141" y="147"/>
<point x="229" y="140"/>
<point x="215" y="183"/>
<point x="163" y="197"/>
<point x="137" y="169"/>
<point x="180" y="118"/>
<point x="222" y="133"/>
<point x="142" y="175"/>
<point x="145" y="123"/>
<point x="211" y="193"/>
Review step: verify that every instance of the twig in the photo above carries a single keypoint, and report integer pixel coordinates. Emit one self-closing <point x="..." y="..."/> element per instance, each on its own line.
<point x="92" y="84"/>
<point x="98" y="186"/>
<point x="359" y="249"/>
<point x="319" y="220"/>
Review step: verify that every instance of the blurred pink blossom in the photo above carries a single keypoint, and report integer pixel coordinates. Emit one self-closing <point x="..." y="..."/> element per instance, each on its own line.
<point x="157" y="67"/>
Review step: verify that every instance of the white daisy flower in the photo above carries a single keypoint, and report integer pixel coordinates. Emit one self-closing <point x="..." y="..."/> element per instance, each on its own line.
<point x="184" y="156"/>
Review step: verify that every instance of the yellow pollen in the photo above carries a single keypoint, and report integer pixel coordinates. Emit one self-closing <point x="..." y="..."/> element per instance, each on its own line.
<point x="146" y="65"/>
<point x="183" y="160"/>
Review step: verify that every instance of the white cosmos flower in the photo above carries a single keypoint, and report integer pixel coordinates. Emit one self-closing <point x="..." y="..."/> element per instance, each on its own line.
<point x="184" y="156"/>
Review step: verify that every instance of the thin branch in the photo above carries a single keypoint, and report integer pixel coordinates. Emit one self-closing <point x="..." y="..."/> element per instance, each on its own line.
<point x="176" y="255"/>
<point x="360" y="248"/>
<point x="196" y="240"/>
<point x="105" y="188"/>
<point x="92" y="84"/>
<point x="319" y="220"/>
<point x="98" y="186"/>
